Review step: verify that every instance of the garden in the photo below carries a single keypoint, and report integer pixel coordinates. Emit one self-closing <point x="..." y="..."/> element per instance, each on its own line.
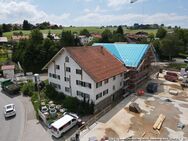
<point x="52" y="104"/>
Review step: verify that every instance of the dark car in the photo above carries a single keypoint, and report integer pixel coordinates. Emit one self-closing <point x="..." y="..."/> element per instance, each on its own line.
<point x="152" y="87"/>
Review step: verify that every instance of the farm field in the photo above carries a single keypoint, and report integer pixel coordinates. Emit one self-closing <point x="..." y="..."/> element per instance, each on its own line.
<point x="78" y="29"/>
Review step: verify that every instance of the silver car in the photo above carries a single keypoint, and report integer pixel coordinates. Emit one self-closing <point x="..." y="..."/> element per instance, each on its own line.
<point x="9" y="110"/>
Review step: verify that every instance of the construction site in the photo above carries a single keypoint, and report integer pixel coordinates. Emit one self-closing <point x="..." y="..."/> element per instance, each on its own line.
<point x="160" y="114"/>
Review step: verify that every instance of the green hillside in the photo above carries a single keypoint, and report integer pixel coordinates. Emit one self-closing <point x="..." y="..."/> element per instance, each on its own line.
<point x="78" y="29"/>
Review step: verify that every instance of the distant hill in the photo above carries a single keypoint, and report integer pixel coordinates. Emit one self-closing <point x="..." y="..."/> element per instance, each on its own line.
<point x="78" y="29"/>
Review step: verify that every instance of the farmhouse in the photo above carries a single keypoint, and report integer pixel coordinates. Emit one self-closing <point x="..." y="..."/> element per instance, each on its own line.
<point x="88" y="73"/>
<point x="136" y="57"/>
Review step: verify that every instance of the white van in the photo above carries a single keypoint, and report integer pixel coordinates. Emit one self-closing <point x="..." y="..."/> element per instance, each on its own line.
<point x="63" y="124"/>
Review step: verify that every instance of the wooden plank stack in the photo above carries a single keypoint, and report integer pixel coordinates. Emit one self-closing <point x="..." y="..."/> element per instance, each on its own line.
<point x="159" y="122"/>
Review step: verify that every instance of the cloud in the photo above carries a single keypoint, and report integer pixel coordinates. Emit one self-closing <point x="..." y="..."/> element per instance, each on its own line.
<point x="96" y="18"/>
<point x="17" y="11"/>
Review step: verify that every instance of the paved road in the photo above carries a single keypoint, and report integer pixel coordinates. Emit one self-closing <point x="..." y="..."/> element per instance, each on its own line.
<point x="11" y="129"/>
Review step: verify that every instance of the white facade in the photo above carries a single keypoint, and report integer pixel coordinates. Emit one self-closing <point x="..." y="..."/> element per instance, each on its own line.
<point x="8" y="73"/>
<point x="85" y="40"/>
<point x="57" y="68"/>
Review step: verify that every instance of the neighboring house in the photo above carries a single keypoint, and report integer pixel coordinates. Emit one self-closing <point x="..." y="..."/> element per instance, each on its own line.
<point x="95" y="35"/>
<point x="20" y="37"/>
<point x="88" y="73"/>
<point x="136" y="57"/>
<point x="142" y="34"/>
<point x="3" y="40"/>
<point x="8" y="71"/>
<point x="134" y="38"/>
<point x="55" y="37"/>
<point x="84" y="40"/>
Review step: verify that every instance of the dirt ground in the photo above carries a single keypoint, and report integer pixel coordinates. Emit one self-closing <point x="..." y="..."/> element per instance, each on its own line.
<point x="121" y="123"/>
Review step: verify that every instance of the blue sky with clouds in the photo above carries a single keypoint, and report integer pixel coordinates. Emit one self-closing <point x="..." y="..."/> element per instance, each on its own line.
<point x="95" y="12"/>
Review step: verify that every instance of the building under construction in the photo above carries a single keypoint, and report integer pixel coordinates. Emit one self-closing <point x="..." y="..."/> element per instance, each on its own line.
<point x="137" y="58"/>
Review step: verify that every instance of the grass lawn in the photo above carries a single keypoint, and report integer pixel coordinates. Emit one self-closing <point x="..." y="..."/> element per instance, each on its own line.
<point x="2" y="59"/>
<point x="78" y="29"/>
<point x="177" y="66"/>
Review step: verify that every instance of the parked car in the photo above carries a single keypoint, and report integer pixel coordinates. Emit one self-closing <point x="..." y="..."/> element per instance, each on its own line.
<point x="186" y="60"/>
<point x="9" y="110"/>
<point x="171" y="76"/>
<point x="152" y="87"/>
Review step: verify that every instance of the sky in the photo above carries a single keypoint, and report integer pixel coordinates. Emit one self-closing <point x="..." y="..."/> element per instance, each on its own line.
<point x="95" y="12"/>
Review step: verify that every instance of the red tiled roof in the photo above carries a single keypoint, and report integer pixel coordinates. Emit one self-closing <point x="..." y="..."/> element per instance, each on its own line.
<point x="96" y="35"/>
<point x="97" y="62"/>
<point x="7" y="67"/>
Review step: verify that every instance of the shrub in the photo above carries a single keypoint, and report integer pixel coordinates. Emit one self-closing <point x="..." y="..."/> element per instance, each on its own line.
<point x="28" y="88"/>
<point x="50" y="92"/>
<point x="36" y="103"/>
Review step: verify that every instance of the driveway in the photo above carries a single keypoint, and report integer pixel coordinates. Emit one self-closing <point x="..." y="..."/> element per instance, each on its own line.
<point x="23" y="127"/>
<point x="11" y="129"/>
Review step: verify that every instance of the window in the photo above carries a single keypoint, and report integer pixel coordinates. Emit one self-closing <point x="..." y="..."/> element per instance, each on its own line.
<point x="79" y="93"/>
<point x="78" y="71"/>
<point x="54" y="75"/>
<point x="121" y="74"/>
<point x="106" y="81"/>
<point x="105" y="92"/>
<point x="57" y="67"/>
<point x="114" y="88"/>
<point x="58" y="77"/>
<point x="66" y="59"/>
<point x="114" y="78"/>
<point x="67" y="89"/>
<point x="50" y="74"/>
<point x="66" y="79"/>
<point x="68" y="69"/>
<point x="83" y="95"/>
<point x="78" y="82"/>
<point x="99" y="84"/>
<point x="83" y="84"/>
<point x="98" y="96"/>
<point x="120" y="83"/>
<point x="57" y="86"/>
<point x="88" y="85"/>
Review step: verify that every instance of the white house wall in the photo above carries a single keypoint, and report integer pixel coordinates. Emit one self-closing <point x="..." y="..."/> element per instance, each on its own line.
<point x="109" y="86"/>
<point x="93" y="91"/>
<point x="60" y="60"/>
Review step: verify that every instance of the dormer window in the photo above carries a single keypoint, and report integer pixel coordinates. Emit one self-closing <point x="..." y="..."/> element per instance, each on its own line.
<point x="66" y="59"/>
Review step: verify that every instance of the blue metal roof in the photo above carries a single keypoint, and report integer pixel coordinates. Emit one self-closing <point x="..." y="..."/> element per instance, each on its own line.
<point x="130" y="54"/>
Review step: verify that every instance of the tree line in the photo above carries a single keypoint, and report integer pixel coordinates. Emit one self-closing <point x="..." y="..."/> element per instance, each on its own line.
<point x="169" y="45"/>
<point x="35" y="52"/>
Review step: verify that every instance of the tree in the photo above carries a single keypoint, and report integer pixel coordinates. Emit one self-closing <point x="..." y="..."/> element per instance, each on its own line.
<point x="50" y="92"/>
<point x="117" y="37"/>
<point x="85" y="32"/>
<point x="120" y="30"/>
<point x="26" y="25"/>
<point x="171" y="46"/>
<point x="67" y="38"/>
<point x="34" y="53"/>
<point x="6" y="27"/>
<point x="1" y="32"/>
<point x="161" y="33"/>
<point x="36" y="36"/>
<point x="106" y="36"/>
<point x="28" y="88"/>
<point x="151" y="36"/>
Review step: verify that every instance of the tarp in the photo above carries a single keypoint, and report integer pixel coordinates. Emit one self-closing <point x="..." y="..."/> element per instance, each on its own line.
<point x="130" y="54"/>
